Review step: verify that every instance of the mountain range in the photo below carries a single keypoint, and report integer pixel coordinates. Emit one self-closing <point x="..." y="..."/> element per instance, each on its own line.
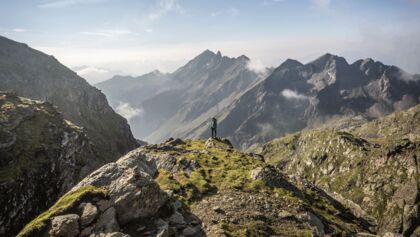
<point x="332" y="149"/>
<point x="253" y="108"/>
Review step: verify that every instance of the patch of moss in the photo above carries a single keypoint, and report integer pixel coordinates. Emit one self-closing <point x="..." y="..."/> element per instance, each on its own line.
<point x="66" y="202"/>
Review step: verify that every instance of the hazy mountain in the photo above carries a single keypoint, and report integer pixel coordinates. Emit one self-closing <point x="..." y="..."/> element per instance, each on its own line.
<point x="133" y="90"/>
<point x="168" y="105"/>
<point x="372" y="168"/>
<point x="297" y="96"/>
<point x="35" y="75"/>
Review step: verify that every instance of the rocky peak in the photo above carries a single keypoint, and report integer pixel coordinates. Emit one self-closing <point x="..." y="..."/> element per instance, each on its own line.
<point x="328" y="60"/>
<point x="289" y="63"/>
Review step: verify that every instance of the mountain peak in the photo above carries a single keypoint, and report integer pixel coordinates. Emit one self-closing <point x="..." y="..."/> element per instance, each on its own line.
<point x="243" y="57"/>
<point x="326" y="59"/>
<point x="290" y="63"/>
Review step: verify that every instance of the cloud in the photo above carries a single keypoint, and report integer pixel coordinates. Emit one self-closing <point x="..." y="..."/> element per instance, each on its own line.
<point x="323" y="4"/>
<point x="290" y="94"/>
<point x="271" y="2"/>
<point x="108" y="33"/>
<point x="66" y="3"/>
<point x="19" y="30"/>
<point x="213" y="14"/>
<point x="149" y="30"/>
<point x="164" y="7"/>
<point x="234" y="12"/>
<point x="257" y="66"/>
<point x="93" y="74"/>
<point x="128" y="112"/>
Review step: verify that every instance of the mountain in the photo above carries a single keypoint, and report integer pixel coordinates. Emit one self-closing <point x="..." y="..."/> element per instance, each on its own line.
<point x="193" y="188"/>
<point x="298" y="96"/>
<point x="42" y="157"/>
<point x="171" y="104"/>
<point x="35" y="75"/>
<point x="371" y="167"/>
<point x="133" y="90"/>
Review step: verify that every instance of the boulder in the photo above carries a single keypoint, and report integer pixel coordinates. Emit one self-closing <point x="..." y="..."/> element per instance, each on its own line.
<point x="65" y="226"/>
<point x="89" y="213"/>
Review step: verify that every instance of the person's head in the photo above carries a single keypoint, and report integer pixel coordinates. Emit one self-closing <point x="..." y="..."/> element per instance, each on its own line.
<point x="214" y="119"/>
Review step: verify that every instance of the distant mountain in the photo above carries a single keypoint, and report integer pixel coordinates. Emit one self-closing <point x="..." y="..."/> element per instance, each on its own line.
<point x="35" y="75"/>
<point x="133" y="90"/>
<point x="172" y="104"/>
<point x="297" y="96"/>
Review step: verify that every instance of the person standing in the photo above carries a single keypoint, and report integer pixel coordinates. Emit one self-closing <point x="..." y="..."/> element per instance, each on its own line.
<point x="213" y="126"/>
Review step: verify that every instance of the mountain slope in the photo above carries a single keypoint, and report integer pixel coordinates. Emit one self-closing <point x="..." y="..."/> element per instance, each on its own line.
<point x="210" y="190"/>
<point x="375" y="166"/>
<point x="35" y="75"/>
<point x="297" y="96"/>
<point x="42" y="157"/>
<point x="186" y="98"/>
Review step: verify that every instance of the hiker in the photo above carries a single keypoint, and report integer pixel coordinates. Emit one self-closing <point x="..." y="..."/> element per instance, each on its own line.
<point x="213" y="126"/>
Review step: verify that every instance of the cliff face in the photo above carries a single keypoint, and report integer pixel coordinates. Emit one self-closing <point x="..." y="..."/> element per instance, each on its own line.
<point x="374" y="166"/>
<point x="193" y="188"/>
<point x="42" y="157"/>
<point x="35" y="75"/>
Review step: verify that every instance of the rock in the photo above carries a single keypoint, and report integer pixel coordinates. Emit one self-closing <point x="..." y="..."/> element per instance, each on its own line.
<point x="190" y="231"/>
<point x="107" y="222"/>
<point x="113" y="234"/>
<point x="103" y="205"/>
<point x="133" y="192"/>
<point x="86" y="231"/>
<point x="177" y="218"/>
<point x="314" y="221"/>
<point x="176" y="205"/>
<point x="65" y="226"/>
<point x="89" y="213"/>
<point x="176" y="142"/>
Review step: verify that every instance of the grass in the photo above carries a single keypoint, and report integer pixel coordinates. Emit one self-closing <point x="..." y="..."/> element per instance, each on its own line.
<point x="66" y="202"/>
<point x="220" y="168"/>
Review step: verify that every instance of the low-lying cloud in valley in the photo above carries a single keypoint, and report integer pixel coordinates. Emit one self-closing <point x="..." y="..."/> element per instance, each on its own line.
<point x="290" y="94"/>
<point x="127" y="111"/>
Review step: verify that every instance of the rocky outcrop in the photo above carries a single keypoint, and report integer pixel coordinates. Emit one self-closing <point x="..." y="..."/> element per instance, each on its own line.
<point x="132" y="205"/>
<point x="187" y="188"/>
<point x="35" y="75"/>
<point x="375" y="166"/>
<point x="42" y="157"/>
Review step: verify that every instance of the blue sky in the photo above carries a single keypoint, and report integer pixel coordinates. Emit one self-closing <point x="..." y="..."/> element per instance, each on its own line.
<point x="134" y="37"/>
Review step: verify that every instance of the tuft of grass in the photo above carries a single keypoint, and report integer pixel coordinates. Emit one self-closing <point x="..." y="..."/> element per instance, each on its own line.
<point x="66" y="202"/>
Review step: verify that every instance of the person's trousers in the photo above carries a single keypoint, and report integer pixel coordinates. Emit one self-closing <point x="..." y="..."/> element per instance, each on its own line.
<point x="213" y="133"/>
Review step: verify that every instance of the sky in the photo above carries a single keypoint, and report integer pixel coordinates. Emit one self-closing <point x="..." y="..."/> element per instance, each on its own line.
<point x="101" y="38"/>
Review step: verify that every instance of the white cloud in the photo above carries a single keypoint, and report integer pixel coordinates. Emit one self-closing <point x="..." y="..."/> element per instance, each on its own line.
<point x="323" y="4"/>
<point x="164" y="7"/>
<point x="19" y="30"/>
<point x="108" y="33"/>
<point x="93" y="74"/>
<point x="66" y="3"/>
<point x="271" y="2"/>
<point x="257" y="66"/>
<point x="290" y="94"/>
<point x="234" y="11"/>
<point x="128" y="112"/>
<point x="149" y="30"/>
<point x="213" y="14"/>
